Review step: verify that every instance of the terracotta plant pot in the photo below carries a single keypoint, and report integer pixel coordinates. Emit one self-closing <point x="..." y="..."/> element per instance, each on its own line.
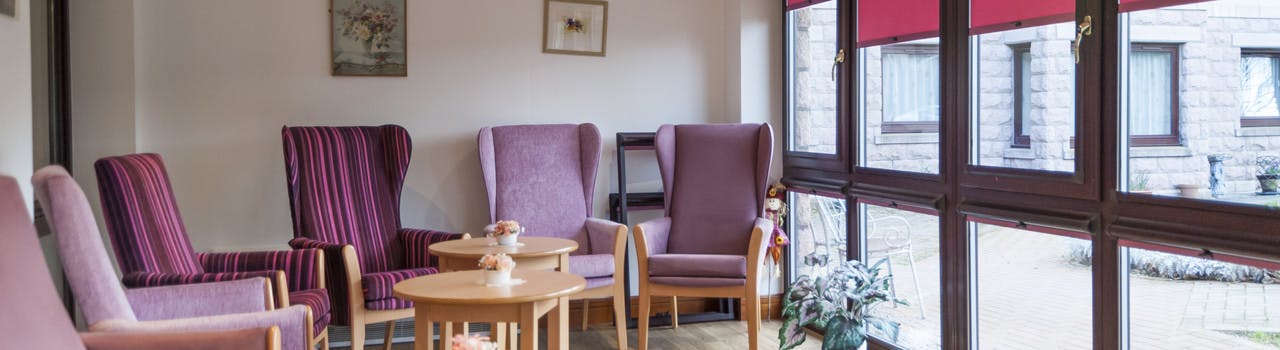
<point x="1188" y="190"/>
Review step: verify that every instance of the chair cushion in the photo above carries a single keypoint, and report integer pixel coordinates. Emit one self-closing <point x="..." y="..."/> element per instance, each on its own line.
<point x="698" y="265"/>
<point x="591" y="266"/>
<point x="378" y="285"/>
<point x="599" y="282"/>
<point x="316" y="299"/>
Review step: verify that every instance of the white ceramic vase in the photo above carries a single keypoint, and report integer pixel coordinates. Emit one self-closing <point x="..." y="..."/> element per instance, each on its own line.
<point x="508" y="240"/>
<point x="497" y="277"/>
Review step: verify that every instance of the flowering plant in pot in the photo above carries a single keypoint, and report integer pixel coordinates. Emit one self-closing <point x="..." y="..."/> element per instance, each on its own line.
<point x="497" y="268"/>
<point x="1268" y="173"/>
<point x="473" y="342"/>
<point x="505" y="231"/>
<point x="836" y="304"/>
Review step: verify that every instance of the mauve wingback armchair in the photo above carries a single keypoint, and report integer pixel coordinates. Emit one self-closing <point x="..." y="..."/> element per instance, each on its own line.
<point x="344" y="190"/>
<point x="711" y="241"/>
<point x="544" y="176"/>
<point x="152" y="247"/>
<point x="33" y="317"/>
<point x="108" y="307"/>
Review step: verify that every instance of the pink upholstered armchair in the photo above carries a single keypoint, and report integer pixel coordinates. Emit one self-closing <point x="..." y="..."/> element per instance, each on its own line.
<point x="33" y="317"/>
<point x="153" y="249"/>
<point x="344" y="189"/>
<point x="711" y="241"/>
<point x="108" y="307"/>
<point x="544" y="176"/>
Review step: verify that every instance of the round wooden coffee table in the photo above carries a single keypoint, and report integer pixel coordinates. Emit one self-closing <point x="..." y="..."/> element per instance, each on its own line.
<point x="460" y="297"/>
<point x="535" y="253"/>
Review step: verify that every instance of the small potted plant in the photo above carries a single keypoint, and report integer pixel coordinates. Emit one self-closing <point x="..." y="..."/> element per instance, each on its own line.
<point x="1188" y="190"/>
<point x="1268" y="174"/>
<point x="504" y="231"/>
<point x="837" y="304"/>
<point x="1140" y="183"/>
<point x="497" y="269"/>
<point x="473" y="342"/>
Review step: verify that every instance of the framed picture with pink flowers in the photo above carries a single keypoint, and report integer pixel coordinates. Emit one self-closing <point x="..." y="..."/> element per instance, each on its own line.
<point x="368" y="37"/>
<point x="575" y="27"/>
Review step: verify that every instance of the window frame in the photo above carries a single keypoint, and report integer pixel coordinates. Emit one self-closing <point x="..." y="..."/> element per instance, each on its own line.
<point x="1250" y="122"/>
<point x="917" y="127"/>
<point x="812" y="162"/>
<point x="1019" y="120"/>
<point x="1174" y="137"/>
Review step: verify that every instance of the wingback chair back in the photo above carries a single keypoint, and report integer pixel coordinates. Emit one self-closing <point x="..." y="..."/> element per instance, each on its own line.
<point x="97" y="291"/>
<point x="34" y="319"/>
<point x="344" y="188"/>
<point x="544" y="177"/>
<point x="142" y="216"/>
<point x="714" y="180"/>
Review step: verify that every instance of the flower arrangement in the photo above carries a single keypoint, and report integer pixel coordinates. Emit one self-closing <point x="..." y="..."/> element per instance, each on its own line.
<point x="505" y="231"/>
<point x="575" y="25"/>
<point x="497" y="262"/>
<point x="474" y="342"/>
<point x="370" y="25"/>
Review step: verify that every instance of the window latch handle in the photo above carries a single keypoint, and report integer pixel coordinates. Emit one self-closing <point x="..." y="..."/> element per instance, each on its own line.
<point x="839" y="59"/>
<point x="1085" y="28"/>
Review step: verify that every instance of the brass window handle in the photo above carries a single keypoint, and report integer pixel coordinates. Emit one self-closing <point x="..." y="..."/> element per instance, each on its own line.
<point x="1085" y="28"/>
<point x="839" y="59"/>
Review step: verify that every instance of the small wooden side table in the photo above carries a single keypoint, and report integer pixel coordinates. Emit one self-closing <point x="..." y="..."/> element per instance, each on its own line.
<point x="461" y="297"/>
<point x="536" y="253"/>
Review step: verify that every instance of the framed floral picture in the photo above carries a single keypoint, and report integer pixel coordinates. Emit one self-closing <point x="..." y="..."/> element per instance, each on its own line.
<point x="7" y="8"/>
<point x="368" y="37"/>
<point x="575" y="27"/>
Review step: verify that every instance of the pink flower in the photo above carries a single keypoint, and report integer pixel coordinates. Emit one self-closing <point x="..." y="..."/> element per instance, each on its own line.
<point x="474" y="342"/>
<point x="498" y="262"/>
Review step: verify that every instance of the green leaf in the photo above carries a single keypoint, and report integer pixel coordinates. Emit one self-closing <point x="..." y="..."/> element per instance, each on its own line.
<point x="842" y="334"/>
<point x="791" y="334"/>
<point x="882" y="328"/>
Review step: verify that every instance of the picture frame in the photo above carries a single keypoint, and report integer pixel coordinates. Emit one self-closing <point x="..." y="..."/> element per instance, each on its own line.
<point x="575" y="27"/>
<point x="8" y="8"/>
<point x="368" y="38"/>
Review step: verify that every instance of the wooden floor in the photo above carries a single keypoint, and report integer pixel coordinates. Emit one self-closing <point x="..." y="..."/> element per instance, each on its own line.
<point x="727" y="335"/>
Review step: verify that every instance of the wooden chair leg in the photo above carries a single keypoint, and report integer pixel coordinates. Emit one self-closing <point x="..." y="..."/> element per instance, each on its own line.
<point x="390" y="335"/>
<point x="642" y="341"/>
<point x="357" y="336"/>
<point x="586" y="305"/>
<point x="753" y="319"/>
<point x="619" y="317"/>
<point x="675" y="313"/>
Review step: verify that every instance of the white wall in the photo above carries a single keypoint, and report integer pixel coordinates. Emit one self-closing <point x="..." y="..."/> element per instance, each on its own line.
<point x="15" y="97"/>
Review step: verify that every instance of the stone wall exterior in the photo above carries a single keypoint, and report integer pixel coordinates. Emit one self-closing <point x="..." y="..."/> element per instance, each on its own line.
<point x="1209" y="36"/>
<point x="814" y="94"/>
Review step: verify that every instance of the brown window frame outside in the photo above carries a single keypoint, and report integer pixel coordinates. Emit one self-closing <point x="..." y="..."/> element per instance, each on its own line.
<point x="1087" y="201"/>
<point x="1249" y="122"/>
<point x="1019" y="139"/>
<point x="888" y="127"/>
<point x="1173" y="138"/>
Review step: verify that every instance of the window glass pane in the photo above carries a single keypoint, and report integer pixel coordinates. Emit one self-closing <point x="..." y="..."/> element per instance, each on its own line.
<point x="1150" y="106"/>
<point x="1024" y="89"/>
<point x="1048" y="98"/>
<point x="1183" y="302"/>
<point x="818" y="234"/>
<point x="1259" y="86"/>
<point x="814" y="40"/>
<point x="1031" y="289"/>
<point x="909" y="241"/>
<point x="1198" y="101"/>
<point x="899" y="106"/>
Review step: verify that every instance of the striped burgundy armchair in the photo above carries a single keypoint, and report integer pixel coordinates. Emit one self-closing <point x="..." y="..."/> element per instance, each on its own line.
<point x="152" y="248"/>
<point x="344" y="188"/>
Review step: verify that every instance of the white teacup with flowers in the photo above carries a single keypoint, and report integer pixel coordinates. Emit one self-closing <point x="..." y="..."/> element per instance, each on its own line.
<point x="504" y="231"/>
<point x="497" y="269"/>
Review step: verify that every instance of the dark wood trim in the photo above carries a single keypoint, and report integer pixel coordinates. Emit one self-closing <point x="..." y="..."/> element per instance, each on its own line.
<point x="841" y="160"/>
<point x="1172" y="138"/>
<point x="1020" y="138"/>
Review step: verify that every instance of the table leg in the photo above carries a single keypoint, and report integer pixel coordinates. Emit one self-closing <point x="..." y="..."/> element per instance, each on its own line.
<point x="528" y="326"/>
<point x="422" y="330"/>
<point x="513" y="332"/>
<point x="558" y="325"/>
<point x="564" y="262"/>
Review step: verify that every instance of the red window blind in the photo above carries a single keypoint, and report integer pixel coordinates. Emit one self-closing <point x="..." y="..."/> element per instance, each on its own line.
<point x="988" y="16"/>
<point x="883" y="22"/>
<point x="1138" y="5"/>
<point x="799" y="4"/>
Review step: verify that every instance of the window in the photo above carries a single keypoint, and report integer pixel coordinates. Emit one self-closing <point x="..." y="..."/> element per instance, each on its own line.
<point x="1259" y="87"/>
<point x="910" y="93"/>
<point x="1153" y="95"/>
<point x="814" y="109"/>
<point x="1021" y="95"/>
